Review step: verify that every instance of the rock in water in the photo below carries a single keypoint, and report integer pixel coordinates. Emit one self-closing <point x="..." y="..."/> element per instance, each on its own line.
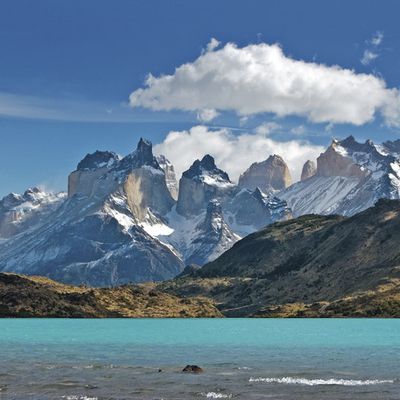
<point x="270" y="175"/>
<point x="193" y="368"/>
<point x="309" y="170"/>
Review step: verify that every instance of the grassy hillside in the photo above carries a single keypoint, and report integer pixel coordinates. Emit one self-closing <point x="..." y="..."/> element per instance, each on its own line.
<point x="307" y="260"/>
<point x="23" y="296"/>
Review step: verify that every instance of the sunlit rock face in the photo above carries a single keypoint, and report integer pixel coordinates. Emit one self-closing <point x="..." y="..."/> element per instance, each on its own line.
<point x="270" y="175"/>
<point x="335" y="161"/>
<point x="101" y="234"/>
<point x="350" y="178"/>
<point x="92" y="167"/>
<point x="309" y="170"/>
<point x="170" y="177"/>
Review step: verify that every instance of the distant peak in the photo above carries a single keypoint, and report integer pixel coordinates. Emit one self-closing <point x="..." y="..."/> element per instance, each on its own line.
<point x="206" y="167"/>
<point x="143" y="155"/>
<point x="98" y="159"/>
<point x="275" y="157"/>
<point x="144" y="152"/>
<point x="144" y="144"/>
<point x="34" y="189"/>
<point x="208" y="162"/>
<point x="349" y="142"/>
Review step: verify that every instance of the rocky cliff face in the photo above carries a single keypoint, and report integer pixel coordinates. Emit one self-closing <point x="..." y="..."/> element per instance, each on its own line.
<point x="270" y="175"/>
<point x="213" y="236"/>
<point x="98" y="235"/>
<point x="120" y="222"/>
<point x="309" y="170"/>
<point x="92" y="167"/>
<point x="252" y="210"/>
<point x="202" y="182"/>
<point x="170" y="177"/>
<point x="350" y="177"/>
<point x="337" y="162"/>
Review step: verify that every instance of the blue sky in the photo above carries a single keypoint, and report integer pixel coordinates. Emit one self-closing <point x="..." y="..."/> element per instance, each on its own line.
<point x="67" y="69"/>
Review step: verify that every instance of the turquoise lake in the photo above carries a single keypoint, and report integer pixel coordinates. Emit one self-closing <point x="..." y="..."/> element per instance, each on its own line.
<point x="242" y="358"/>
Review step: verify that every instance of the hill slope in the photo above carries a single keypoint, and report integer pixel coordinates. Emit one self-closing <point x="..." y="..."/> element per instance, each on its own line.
<point x="23" y="296"/>
<point x="305" y="260"/>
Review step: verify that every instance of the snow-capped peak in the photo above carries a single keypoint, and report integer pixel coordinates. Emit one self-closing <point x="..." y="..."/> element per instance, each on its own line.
<point x="206" y="171"/>
<point x="98" y="159"/>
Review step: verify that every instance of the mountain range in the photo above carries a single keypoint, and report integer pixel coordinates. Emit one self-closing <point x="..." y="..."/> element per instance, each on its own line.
<point x="126" y="219"/>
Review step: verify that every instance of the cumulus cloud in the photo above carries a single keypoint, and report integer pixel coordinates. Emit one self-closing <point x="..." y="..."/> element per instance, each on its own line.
<point x="213" y="44"/>
<point x="233" y="153"/>
<point x="267" y="127"/>
<point x="207" y="114"/>
<point x="260" y="78"/>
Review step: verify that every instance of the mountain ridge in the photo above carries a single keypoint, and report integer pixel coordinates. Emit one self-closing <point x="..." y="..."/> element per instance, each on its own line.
<point x="126" y="219"/>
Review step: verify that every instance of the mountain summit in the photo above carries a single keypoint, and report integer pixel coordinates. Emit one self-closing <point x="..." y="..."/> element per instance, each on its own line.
<point x="350" y="177"/>
<point x="270" y="175"/>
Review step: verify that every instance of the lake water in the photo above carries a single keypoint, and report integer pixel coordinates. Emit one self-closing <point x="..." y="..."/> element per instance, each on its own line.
<point x="242" y="359"/>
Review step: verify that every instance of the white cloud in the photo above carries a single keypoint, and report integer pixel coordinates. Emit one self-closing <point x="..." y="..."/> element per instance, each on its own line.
<point x="207" y="115"/>
<point x="213" y="44"/>
<point x="243" y="120"/>
<point x="261" y="78"/>
<point x="368" y="56"/>
<point x="63" y="109"/>
<point x="298" y="130"/>
<point x="233" y="153"/>
<point x="377" y="38"/>
<point x="266" y="128"/>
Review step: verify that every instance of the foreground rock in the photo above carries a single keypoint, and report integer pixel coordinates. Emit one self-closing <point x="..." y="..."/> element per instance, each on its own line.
<point x="193" y="368"/>
<point x="22" y="296"/>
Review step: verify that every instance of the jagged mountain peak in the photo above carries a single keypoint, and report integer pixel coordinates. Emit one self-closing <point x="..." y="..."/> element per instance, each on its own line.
<point x="202" y="182"/>
<point x="274" y="157"/>
<point x="392" y="146"/>
<point x="206" y="167"/>
<point x="349" y="146"/>
<point x="10" y="200"/>
<point x="144" y="152"/>
<point x="32" y="195"/>
<point x="98" y="159"/>
<point x="142" y="156"/>
<point x="351" y="176"/>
